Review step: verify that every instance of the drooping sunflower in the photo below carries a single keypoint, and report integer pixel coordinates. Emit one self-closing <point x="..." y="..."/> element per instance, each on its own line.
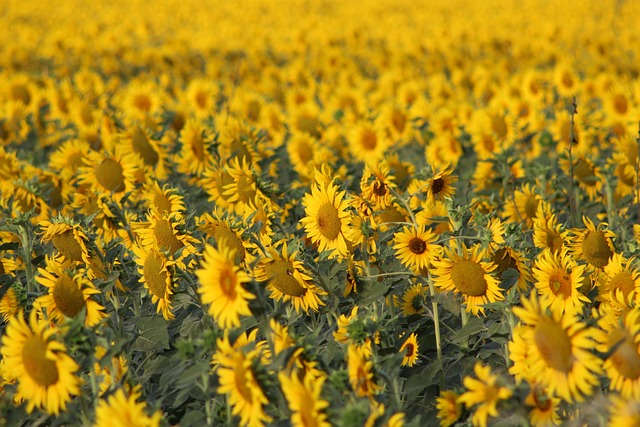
<point x="416" y="247"/>
<point x="44" y="371"/>
<point x="9" y="304"/>
<point x="326" y="218"/>
<point x="410" y="347"/>
<point x="69" y="292"/>
<point x="467" y="275"/>
<point x="221" y="286"/>
<point x="413" y="300"/>
<point x="620" y="338"/>
<point x="449" y="408"/>
<point x="360" y="368"/>
<point x="221" y="227"/>
<point x="559" y="351"/>
<point x="288" y="280"/>
<point x="621" y="281"/>
<point x="485" y="392"/>
<point x="67" y="237"/>
<point x="122" y="409"/>
<point x="304" y="400"/>
<point x="439" y="186"/>
<point x="593" y="245"/>
<point x="156" y="274"/>
<point x="108" y="174"/>
<point x="238" y="382"/>
<point x="558" y="280"/>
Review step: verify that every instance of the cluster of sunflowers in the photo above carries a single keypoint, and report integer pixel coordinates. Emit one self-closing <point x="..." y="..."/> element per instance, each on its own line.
<point x="319" y="213"/>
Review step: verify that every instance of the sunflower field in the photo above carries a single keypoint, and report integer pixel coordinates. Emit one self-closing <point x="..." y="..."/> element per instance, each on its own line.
<point x="319" y="212"/>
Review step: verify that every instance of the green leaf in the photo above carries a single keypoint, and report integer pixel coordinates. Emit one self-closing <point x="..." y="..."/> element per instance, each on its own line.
<point x="473" y="327"/>
<point x="154" y="335"/>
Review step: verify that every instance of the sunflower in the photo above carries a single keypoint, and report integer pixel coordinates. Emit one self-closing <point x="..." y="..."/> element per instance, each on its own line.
<point x="221" y="286"/>
<point x="195" y="152"/>
<point x="280" y="337"/>
<point x="156" y="274"/>
<point x="201" y="97"/>
<point x="376" y="184"/>
<point x="586" y="175"/>
<point x="109" y="174"/>
<point x="109" y="371"/>
<point x="397" y="123"/>
<point x="621" y="281"/>
<point x="367" y="142"/>
<point x="227" y="233"/>
<point x="215" y="179"/>
<point x="142" y="101"/>
<point x="449" y="410"/>
<point x="67" y="237"/>
<point x="122" y="409"/>
<point x="238" y="382"/>
<point x="435" y="216"/>
<point x="326" y="219"/>
<point x="243" y="189"/>
<point x="468" y="275"/>
<point x="288" y="280"/>
<point x="69" y="157"/>
<point x="439" y="186"/>
<point x="163" y="200"/>
<point x="138" y="142"/>
<point x="305" y="154"/>
<point x="413" y="300"/>
<point x="44" y="371"/>
<point x="544" y="408"/>
<point x="416" y="247"/>
<point x="69" y="293"/>
<point x="161" y="233"/>
<point x="558" y="351"/>
<point x="593" y="245"/>
<point x="624" y="412"/>
<point x="558" y="280"/>
<point x="547" y="233"/>
<point x="304" y="400"/>
<point x="524" y="207"/>
<point x="360" y="369"/>
<point x="485" y="392"/>
<point x="342" y="334"/>
<point x="410" y="347"/>
<point x="620" y="338"/>
<point x="9" y="304"/>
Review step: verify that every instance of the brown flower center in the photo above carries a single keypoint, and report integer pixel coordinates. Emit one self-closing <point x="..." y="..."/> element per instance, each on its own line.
<point x="417" y="246"/>
<point x="110" y="176"/>
<point x="68" y="296"/>
<point x="409" y="348"/>
<point x="141" y="145"/>
<point x="437" y="185"/>
<point x="142" y="102"/>
<point x="230" y="240"/>
<point x="531" y="206"/>
<point x="154" y="275"/>
<point x="554" y="241"/>
<point x="624" y="282"/>
<point x="468" y="277"/>
<point x="34" y="357"/>
<point x="503" y="260"/>
<point x="626" y="359"/>
<point x="596" y="249"/>
<point x="379" y="188"/>
<point x="554" y="345"/>
<point x="166" y="240"/>
<point x="228" y="282"/>
<point x="369" y="140"/>
<point x="280" y="273"/>
<point x="67" y="245"/>
<point x="560" y="282"/>
<point x="328" y="221"/>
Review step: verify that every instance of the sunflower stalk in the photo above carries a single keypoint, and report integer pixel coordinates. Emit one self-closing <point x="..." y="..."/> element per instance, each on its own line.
<point x="573" y="202"/>
<point x="637" y="177"/>
<point x="464" y="319"/>
<point x="436" y="326"/>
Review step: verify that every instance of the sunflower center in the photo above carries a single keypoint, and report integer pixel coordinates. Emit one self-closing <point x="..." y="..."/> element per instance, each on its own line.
<point x="154" y="275"/>
<point x="201" y="99"/>
<point x="67" y="245"/>
<point x="68" y="296"/>
<point x="560" y="282"/>
<point x="165" y="237"/>
<point x="34" y="356"/>
<point x="162" y="202"/>
<point x="468" y="277"/>
<point x="554" y="345"/>
<point x="197" y="146"/>
<point x="624" y="282"/>
<point x="328" y="221"/>
<point x="585" y="174"/>
<point x="398" y="120"/>
<point x="626" y="359"/>
<point x="369" y="140"/>
<point x="531" y="206"/>
<point x="410" y="348"/>
<point x="554" y="241"/>
<point x="503" y="260"/>
<point x="620" y="104"/>
<point x="110" y="175"/>
<point x="228" y="282"/>
<point x="20" y="93"/>
<point x="417" y="246"/>
<point x="596" y="249"/>
<point x="143" y="148"/>
<point x="437" y="185"/>
<point x="379" y="188"/>
<point x="542" y="401"/>
<point x="280" y="273"/>
<point x="142" y="102"/>
<point x="304" y="151"/>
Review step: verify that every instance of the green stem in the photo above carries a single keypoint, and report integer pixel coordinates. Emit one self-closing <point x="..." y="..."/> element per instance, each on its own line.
<point x="436" y="325"/>
<point x="464" y="317"/>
